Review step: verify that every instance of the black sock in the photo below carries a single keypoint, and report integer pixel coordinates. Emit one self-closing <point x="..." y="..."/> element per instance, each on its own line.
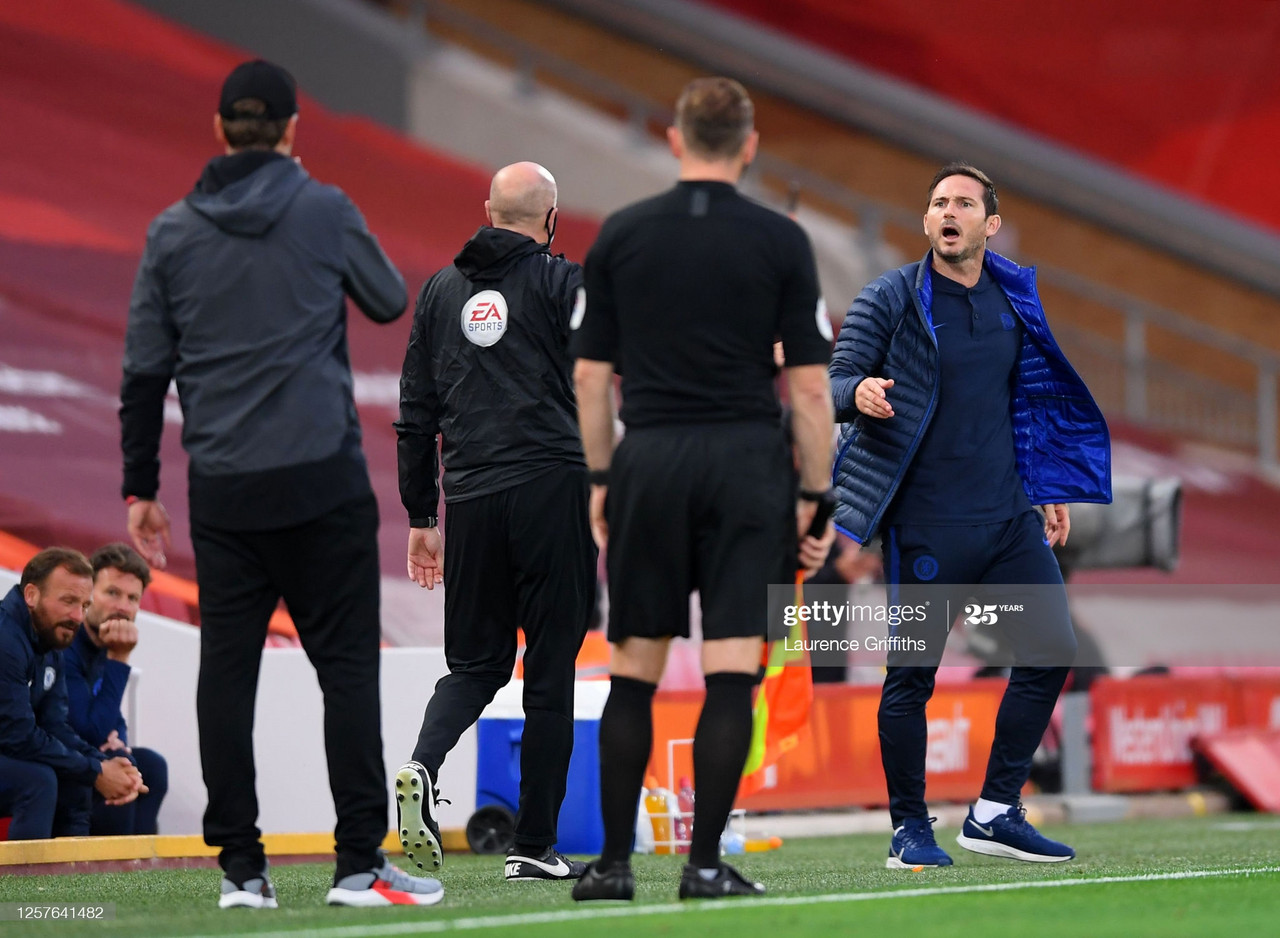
<point x="720" y="746"/>
<point x="626" y="738"/>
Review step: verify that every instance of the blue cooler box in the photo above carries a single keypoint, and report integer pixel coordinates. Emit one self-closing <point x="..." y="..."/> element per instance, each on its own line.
<point x="498" y="748"/>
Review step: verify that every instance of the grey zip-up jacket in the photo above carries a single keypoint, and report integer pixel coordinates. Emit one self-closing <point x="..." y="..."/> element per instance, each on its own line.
<point x="239" y="298"/>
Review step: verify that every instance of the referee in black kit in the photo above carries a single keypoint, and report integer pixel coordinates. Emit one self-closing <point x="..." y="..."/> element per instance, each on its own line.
<point x="685" y="294"/>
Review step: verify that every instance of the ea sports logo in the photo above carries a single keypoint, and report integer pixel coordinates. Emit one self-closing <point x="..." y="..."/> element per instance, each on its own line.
<point x="484" y="318"/>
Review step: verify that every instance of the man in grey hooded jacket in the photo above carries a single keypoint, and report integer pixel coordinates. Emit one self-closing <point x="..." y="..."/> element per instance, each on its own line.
<point x="239" y="299"/>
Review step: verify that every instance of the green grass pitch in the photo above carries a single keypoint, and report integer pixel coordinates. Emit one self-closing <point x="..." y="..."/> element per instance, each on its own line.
<point x="1166" y="878"/>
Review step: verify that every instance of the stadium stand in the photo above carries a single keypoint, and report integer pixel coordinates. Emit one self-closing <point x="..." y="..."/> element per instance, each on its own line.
<point x="77" y="198"/>
<point x="612" y="54"/>
<point x="100" y="98"/>
<point x="97" y="96"/>
<point x="1110" y="71"/>
<point x="110" y="87"/>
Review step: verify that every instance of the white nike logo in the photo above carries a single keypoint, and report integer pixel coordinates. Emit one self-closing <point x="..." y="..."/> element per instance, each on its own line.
<point x="560" y="869"/>
<point x="986" y="830"/>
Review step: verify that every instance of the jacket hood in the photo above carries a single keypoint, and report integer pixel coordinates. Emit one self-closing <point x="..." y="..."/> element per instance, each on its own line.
<point x="246" y="193"/>
<point x="492" y="252"/>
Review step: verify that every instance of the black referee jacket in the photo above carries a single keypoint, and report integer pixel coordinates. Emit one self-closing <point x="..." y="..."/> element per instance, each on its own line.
<point x="488" y="370"/>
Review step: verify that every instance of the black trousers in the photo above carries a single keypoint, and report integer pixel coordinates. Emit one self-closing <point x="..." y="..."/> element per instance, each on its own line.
<point x="326" y="570"/>
<point x="519" y="558"/>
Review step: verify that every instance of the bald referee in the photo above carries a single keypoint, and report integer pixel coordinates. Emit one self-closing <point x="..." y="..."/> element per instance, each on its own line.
<point x="685" y="294"/>
<point x="487" y="372"/>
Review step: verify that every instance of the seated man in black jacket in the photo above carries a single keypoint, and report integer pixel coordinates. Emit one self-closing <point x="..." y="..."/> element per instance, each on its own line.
<point x="97" y="673"/>
<point x="43" y="763"/>
<point x="488" y="371"/>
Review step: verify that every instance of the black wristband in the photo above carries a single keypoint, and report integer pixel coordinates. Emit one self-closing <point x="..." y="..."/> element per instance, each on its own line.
<point x="809" y="495"/>
<point x="598" y="476"/>
<point x="429" y="521"/>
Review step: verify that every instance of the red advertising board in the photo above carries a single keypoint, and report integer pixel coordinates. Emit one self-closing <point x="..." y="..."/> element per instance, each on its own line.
<point x="1143" y="727"/>
<point x="1260" y="702"/>
<point x="836" y="761"/>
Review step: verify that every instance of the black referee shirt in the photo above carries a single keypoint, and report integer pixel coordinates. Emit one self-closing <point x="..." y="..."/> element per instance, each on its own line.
<point x="686" y="293"/>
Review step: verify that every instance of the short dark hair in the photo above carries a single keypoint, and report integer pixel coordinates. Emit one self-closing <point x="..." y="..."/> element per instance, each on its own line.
<point x="990" y="201"/>
<point x="44" y="563"/>
<point x="122" y="557"/>
<point x="715" y="116"/>
<point x="250" y="129"/>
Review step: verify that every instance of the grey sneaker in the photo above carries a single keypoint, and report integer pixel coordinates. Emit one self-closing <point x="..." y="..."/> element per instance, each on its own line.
<point x="416" y="800"/>
<point x="386" y="885"/>
<point x="256" y="892"/>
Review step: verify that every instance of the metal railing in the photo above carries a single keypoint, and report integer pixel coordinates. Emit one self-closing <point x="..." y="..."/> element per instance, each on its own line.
<point x="1123" y="376"/>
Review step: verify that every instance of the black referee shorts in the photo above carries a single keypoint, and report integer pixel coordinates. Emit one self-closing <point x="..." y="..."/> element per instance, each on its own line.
<point x="707" y="507"/>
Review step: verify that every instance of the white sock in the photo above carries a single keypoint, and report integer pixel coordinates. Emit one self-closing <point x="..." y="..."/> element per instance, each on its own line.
<point x="984" y="811"/>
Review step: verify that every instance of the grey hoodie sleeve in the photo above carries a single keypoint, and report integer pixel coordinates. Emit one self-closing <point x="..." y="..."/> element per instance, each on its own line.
<point x="150" y="350"/>
<point x="369" y="277"/>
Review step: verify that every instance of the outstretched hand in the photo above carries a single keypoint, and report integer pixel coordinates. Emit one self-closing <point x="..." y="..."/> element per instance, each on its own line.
<point x="870" y="398"/>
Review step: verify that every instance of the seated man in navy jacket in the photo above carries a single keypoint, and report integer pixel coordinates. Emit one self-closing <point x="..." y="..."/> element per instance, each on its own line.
<point x="97" y="672"/>
<point x="44" y="765"/>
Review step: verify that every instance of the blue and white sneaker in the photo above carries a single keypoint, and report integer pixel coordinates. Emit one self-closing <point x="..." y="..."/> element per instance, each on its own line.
<point x="913" y="846"/>
<point x="1010" y="835"/>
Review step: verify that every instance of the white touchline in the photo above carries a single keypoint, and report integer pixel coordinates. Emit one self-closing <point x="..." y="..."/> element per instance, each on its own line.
<point x="620" y="911"/>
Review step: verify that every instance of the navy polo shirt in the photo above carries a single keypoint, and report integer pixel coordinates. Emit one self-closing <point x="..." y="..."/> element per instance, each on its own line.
<point x="964" y="471"/>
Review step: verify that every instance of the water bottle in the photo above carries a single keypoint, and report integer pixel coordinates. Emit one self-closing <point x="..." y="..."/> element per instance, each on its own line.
<point x="684" y="819"/>
<point x="732" y="841"/>
<point x="661" y="805"/>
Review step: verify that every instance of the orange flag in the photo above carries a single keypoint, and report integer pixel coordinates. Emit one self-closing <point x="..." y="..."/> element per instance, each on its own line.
<point x="782" y="705"/>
